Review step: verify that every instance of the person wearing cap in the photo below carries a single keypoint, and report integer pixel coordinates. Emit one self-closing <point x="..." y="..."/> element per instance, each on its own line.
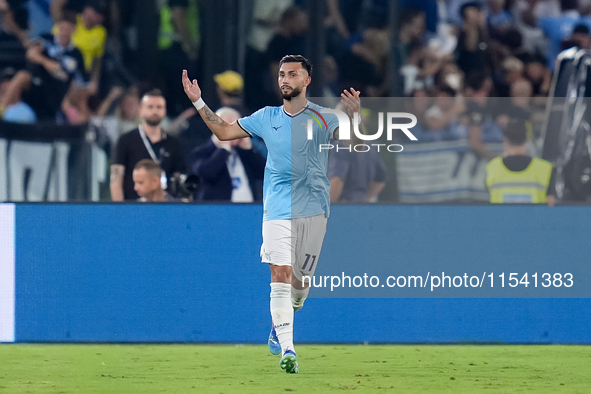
<point x="16" y="111"/>
<point x="581" y="36"/>
<point x="556" y="28"/>
<point x="229" y="89"/>
<point x="516" y="177"/>
<point x="230" y="86"/>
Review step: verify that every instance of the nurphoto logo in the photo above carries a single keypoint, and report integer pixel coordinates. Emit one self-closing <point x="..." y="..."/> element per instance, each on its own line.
<point x="345" y="130"/>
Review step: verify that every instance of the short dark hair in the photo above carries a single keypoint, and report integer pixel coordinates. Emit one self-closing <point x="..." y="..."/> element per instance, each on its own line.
<point x="581" y="29"/>
<point x="149" y="165"/>
<point x="471" y="4"/>
<point x="69" y="17"/>
<point x="153" y="93"/>
<point x="476" y="80"/>
<point x="297" y="59"/>
<point x="512" y="38"/>
<point x="516" y="132"/>
<point x="407" y="16"/>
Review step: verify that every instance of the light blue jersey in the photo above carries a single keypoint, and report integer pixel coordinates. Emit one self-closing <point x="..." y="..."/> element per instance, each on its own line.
<point x="295" y="184"/>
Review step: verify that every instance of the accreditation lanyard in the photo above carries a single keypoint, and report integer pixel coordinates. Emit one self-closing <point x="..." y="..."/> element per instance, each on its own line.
<point x="150" y="149"/>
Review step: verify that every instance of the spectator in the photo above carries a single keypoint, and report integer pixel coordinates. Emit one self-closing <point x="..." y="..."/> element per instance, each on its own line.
<point x="365" y="64"/>
<point x="146" y="181"/>
<point x="512" y="71"/>
<point x="581" y="36"/>
<point x="127" y="112"/>
<point x="13" y="39"/>
<point x="54" y="65"/>
<point x="291" y="38"/>
<point x="148" y="141"/>
<point x="442" y="115"/>
<point x="229" y="89"/>
<point x="453" y="10"/>
<point x="423" y="64"/>
<point x="472" y="53"/>
<point x="480" y="115"/>
<point x="356" y="177"/>
<point x="344" y="16"/>
<point x="519" y="106"/>
<point x="450" y="75"/>
<point x="75" y="107"/>
<point x="526" y="13"/>
<point x="179" y="25"/>
<point x="90" y="37"/>
<point x="411" y="70"/>
<point x="538" y="74"/>
<point x="517" y="177"/>
<point x="178" y="45"/>
<point x="14" y="19"/>
<point x="412" y="28"/>
<point x="266" y="14"/>
<point x="230" y="170"/>
<point x="498" y="18"/>
<point x="16" y="110"/>
<point x="194" y="132"/>
<point x="558" y="27"/>
<point x="266" y="18"/>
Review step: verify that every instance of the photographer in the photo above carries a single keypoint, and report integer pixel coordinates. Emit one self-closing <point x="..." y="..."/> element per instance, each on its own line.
<point x="230" y="170"/>
<point x="148" y="141"/>
<point x="146" y="179"/>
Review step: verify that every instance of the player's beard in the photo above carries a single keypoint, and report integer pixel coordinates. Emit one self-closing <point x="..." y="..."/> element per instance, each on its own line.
<point x="153" y="121"/>
<point x="295" y="92"/>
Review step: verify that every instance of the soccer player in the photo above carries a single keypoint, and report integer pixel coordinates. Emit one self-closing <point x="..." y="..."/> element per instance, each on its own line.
<point x="296" y="189"/>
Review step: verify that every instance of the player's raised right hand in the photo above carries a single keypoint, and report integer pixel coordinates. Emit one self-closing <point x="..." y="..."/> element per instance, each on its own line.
<point x="191" y="88"/>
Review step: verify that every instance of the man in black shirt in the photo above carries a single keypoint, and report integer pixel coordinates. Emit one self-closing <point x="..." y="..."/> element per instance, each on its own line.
<point x="148" y="141"/>
<point x="53" y="65"/>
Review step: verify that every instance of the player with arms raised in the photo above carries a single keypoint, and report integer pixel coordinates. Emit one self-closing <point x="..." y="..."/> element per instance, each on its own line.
<point x="296" y="190"/>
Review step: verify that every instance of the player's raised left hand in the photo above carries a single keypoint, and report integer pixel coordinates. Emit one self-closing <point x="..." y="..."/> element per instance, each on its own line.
<point x="351" y="101"/>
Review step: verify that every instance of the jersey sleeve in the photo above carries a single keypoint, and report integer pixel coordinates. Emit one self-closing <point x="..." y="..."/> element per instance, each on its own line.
<point x="253" y="124"/>
<point x="333" y="124"/>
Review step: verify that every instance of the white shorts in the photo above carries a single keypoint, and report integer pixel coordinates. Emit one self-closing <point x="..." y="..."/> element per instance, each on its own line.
<point x="294" y="242"/>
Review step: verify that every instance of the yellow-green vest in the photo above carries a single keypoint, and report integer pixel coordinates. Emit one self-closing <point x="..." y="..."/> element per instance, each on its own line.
<point x="167" y="35"/>
<point x="527" y="186"/>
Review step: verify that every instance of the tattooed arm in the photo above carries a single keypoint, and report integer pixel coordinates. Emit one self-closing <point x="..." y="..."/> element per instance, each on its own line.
<point x="117" y="172"/>
<point x="223" y="130"/>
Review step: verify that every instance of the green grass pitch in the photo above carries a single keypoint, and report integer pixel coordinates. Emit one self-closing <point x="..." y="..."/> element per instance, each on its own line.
<point x="188" y="368"/>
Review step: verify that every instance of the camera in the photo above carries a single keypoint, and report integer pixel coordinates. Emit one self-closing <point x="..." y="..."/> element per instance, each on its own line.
<point x="183" y="185"/>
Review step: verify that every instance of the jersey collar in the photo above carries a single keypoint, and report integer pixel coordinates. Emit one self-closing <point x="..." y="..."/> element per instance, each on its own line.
<point x="297" y="113"/>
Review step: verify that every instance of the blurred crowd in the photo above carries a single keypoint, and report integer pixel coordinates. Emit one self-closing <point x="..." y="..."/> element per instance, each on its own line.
<point x="76" y="62"/>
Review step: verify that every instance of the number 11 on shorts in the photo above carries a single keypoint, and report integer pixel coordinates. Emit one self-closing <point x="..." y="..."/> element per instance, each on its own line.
<point x="307" y="260"/>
